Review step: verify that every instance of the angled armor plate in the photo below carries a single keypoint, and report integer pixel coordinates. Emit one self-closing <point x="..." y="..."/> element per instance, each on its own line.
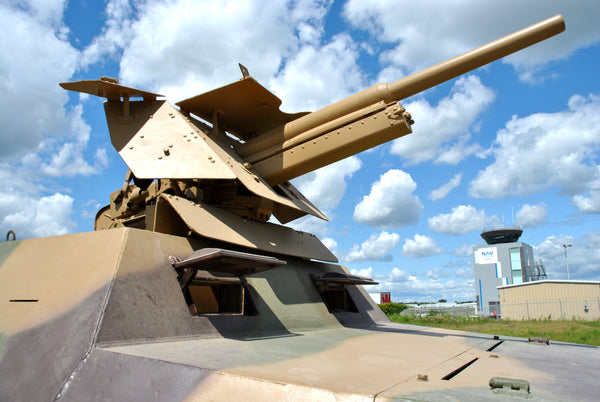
<point x="142" y="143"/>
<point x="108" y="90"/>
<point x="245" y="108"/>
<point x="220" y="224"/>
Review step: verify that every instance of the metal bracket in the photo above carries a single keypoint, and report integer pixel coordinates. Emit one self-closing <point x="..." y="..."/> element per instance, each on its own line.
<point x="244" y="70"/>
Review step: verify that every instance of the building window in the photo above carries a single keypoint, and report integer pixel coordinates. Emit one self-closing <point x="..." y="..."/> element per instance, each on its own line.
<point x="516" y="265"/>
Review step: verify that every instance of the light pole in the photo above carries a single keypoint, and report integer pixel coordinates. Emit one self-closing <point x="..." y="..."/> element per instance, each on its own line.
<point x="567" y="260"/>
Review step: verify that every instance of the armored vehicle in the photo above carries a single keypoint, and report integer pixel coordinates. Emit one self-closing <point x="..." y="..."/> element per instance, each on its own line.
<point x="186" y="291"/>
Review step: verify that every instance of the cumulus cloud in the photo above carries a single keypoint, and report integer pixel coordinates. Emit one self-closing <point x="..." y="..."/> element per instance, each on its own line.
<point x="368" y="272"/>
<point x="310" y="224"/>
<point x="415" y="48"/>
<point x="589" y="202"/>
<point x="34" y="60"/>
<point x="330" y="244"/>
<point x="316" y="76"/>
<point x="466" y="273"/>
<point x="391" y="202"/>
<point x="406" y="287"/>
<point x="326" y="187"/>
<point x="523" y="149"/>
<point x="437" y="274"/>
<point x="443" y="130"/>
<point x="461" y="220"/>
<point x="529" y="216"/>
<point x="162" y="46"/>
<point x="41" y="138"/>
<point x="444" y="190"/>
<point x="465" y="250"/>
<point x="397" y="275"/>
<point x="420" y="246"/>
<point x="376" y="247"/>
<point x="115" y="36"/>
<point x="29" y="217"/>
<point x="583" y="256"/>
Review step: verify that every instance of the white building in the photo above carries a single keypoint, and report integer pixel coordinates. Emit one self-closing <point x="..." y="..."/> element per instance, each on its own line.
<point x="502" y="261"/>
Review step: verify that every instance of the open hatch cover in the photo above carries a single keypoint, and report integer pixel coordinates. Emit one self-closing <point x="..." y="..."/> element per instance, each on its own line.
<point x="227" y="261"/>
<point x="343" y="279"/>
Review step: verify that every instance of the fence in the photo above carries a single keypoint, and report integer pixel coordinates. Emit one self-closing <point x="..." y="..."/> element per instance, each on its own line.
<point x="466" y="310"/>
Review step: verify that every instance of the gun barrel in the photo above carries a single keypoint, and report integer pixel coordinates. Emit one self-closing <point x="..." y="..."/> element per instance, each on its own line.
<point x="282" y="153"/>
<point x="475" y="58"/>
<point x="266" y="144"/>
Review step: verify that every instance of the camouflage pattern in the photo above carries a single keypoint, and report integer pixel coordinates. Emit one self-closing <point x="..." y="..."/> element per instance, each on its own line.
<point x="109" y="322"/>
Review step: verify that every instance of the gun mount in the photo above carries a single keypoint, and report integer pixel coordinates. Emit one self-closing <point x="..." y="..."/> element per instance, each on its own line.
<point x="187" y="173"/>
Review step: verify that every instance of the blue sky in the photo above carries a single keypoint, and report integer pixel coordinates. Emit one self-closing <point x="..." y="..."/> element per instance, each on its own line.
<point x="515" y="142"/>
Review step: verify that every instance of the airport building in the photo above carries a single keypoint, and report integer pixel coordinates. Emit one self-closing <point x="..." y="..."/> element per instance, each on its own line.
<point x="551" y="299"/>
<point x="503" y="261"/>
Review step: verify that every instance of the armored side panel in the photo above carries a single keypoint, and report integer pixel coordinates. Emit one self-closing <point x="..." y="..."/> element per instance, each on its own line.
<point x="99" y="316"/>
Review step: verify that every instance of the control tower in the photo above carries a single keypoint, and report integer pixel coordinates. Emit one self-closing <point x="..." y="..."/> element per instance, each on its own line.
<point x="504" y="260"/>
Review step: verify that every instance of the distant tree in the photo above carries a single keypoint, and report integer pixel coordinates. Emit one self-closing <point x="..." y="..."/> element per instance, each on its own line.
<point x="442" y="301"/>
<point x="393" y="308"/>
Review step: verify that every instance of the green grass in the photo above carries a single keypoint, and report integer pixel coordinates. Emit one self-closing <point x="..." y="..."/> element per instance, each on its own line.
<point x="575" y="331"/>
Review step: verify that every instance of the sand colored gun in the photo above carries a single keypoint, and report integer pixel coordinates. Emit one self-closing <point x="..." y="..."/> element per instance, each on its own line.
<point x="248" y="172"/>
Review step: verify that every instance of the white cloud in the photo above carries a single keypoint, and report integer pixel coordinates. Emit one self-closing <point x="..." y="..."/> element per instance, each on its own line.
<point x="477" y="22"/>
<point x="376" y="247"/>
<point x="407" y="288"/>
<point x="461" y="220"/>
<point x="310" y="224"/>
<point x="524" y="148"/>
<point x="397" y="275"/>
<point x="368" y="272"/>
<point x="466" y="273"/>
<point x="437" y="274"/>
<point x="325" y="187"/>
<point x="316" y="76"/>
<point x="441" y="132"/>
<point x="41" y="137"/>
<point x="330" y="244"/>
<point x="444" y="190"/>
<point x="583" y="256"/>
<point x="529" y="216"/>
<point x="420" y="246"/>
<point x="589" y="202"/>
<point x="165" y="48"/>
<point x="34" y="60"/>
<point x="35" y="217"/>
<point x="465" y="250"/>
<point x="391" y="202"/>
<point x="115" y="34"/>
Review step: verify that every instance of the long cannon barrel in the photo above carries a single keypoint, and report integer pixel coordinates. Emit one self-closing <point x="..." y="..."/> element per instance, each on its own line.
<point x="267" y="152"/>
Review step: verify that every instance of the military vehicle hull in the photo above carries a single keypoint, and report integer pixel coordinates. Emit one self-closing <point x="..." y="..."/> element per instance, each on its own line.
<point x="101" y="316"/>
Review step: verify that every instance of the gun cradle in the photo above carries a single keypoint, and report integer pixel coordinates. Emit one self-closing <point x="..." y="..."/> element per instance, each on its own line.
<point x="231" y="152"/>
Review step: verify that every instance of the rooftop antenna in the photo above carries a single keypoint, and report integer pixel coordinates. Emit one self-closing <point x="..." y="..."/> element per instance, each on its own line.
<point x="482" y="221"/>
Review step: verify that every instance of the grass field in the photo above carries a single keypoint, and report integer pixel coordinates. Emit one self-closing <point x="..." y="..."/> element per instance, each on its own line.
<point x="585" y="332"/>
